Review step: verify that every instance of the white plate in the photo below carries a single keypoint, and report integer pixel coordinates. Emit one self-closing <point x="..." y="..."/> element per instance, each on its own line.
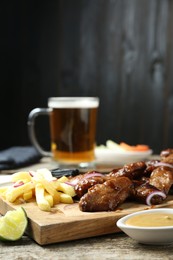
<point x="148" y="235"/>
<point x="5" y="180"/>
<point x="108" y="156"/>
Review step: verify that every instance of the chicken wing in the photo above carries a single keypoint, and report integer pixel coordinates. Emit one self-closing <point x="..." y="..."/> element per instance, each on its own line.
<point x="106" y="196"/>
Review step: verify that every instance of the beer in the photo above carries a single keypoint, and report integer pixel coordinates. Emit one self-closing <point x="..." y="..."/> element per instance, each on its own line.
<point x="73" y="129"/>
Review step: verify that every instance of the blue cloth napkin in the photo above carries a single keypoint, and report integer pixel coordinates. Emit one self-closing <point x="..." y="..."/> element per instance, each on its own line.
<point x="17" y="157"/>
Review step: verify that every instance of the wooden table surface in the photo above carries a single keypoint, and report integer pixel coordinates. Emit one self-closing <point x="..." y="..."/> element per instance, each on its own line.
<point x="112" y="246"/>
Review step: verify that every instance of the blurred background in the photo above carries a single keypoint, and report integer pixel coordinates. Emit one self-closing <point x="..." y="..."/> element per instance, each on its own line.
<point x="119" y="50"/>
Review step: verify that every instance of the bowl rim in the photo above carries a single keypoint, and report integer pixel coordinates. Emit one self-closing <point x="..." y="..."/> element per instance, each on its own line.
<point x="124" y="153"/>
<point x="121" y="222"/>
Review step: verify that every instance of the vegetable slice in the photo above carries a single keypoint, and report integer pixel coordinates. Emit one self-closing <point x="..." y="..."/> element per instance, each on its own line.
<point x="152" y="194"/>
<point x="138" y="147"/>
<point x="13" y="225"/>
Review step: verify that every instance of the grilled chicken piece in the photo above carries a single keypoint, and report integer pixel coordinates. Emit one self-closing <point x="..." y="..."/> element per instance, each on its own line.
<point x="84" y="184"/>
<point x="162" y="178"/>
<point x="132" y="171"/>
<point x="142" y="181"/>
<point x="168" y="159"/>
<point x="106" y="196"/>
<point x="167" y="156"/>
<point x="142" y="190"/>
<point x="166" y="153"/>
<point x="151" y="166"/>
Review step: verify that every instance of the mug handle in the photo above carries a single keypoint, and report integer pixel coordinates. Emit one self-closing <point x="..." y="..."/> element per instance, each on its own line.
<point x="31" y="129"/>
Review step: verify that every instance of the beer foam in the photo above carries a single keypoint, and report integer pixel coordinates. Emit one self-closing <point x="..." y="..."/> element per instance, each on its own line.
<point x="73" y="102"/>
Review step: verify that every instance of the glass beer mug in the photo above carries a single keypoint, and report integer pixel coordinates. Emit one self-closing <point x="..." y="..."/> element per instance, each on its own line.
<point x="72" y="129"/>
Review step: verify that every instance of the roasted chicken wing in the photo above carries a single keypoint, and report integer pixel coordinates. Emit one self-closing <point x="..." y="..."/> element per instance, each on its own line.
<point x="106" y="196"/>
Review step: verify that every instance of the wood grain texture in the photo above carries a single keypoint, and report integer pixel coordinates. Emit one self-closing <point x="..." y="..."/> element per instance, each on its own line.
<point x="123" y="53"/>
<point x="66" y="222"/>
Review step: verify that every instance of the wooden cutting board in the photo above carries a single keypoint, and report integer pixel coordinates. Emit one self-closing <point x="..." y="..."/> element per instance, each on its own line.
<point x="66" y="222"/>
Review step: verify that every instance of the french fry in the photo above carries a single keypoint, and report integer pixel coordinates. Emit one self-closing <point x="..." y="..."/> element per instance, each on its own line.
<point x="65" y="198"/>
<point x="37" y="177"/>
<point x="44" y="174"/>
<point x="55" y="184"/>
<point x="27" y="195"/>
<point x="49" y="187"/>
<point x="42" y="203"/>
<point x="67" y="189"/>
<point x="49" y="198"/>
<point x="14" y="192"/>
<point x="41" y="186"/>
<point x="63" y="179"/>
<point x="58" y="181"/>
<point x="21" y="176"/>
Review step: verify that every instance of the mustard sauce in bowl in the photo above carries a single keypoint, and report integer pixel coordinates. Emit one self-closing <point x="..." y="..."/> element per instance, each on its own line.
<point x="152" y="226"/>
<point x="151" y="220"/>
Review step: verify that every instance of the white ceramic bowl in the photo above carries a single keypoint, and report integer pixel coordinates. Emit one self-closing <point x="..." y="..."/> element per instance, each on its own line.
<point x="120" y="158"/>
<point x="148" y="235"/>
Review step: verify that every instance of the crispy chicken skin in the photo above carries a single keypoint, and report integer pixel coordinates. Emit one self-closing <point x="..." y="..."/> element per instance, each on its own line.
<point x="106" y="196"/>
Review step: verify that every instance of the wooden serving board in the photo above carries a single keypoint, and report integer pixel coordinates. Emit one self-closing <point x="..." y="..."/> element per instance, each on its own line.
<point x="66" y="222"/>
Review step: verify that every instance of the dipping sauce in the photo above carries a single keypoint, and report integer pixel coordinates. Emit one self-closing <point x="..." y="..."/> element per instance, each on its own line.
<point x="151" y="220"/>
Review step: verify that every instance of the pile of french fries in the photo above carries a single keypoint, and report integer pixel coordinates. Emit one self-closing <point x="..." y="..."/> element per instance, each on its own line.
<point x="41" y="186"/>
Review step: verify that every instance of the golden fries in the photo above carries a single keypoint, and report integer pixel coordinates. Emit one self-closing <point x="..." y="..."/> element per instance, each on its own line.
<point x="65" y="198"/>
<point x="49" y="198"/>
<point x="13" y="193"/>
<point x="27" y="195"/>
<point x="21" y="176"/>
<point x="42" y="203"/>
<point x="49" y="187"/>
<point x="67" y="189"/>
<point x="41" y="186"/>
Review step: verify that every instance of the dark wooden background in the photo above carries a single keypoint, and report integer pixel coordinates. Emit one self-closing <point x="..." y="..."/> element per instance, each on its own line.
<point x="119" y="50"/>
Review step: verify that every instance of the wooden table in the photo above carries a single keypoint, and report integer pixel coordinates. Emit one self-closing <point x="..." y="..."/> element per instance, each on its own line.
<point x="112" y="246"/>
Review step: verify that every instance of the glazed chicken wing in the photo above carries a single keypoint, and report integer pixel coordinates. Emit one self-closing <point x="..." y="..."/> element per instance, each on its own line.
<point x="142" y="190"/>
<point x="132" y="170"/>
<point x="162" y="178"/>
<point x="106" y="196"/>
<point x="84" y="184"/>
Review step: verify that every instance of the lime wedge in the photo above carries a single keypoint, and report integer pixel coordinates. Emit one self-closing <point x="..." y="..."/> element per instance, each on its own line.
<point x="13" y="225"/>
